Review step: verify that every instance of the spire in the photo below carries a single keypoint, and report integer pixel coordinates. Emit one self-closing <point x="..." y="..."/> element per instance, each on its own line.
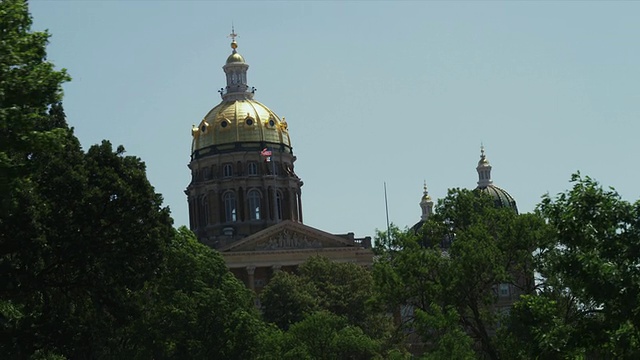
<point x="426" y="203"/>
<point x="233" y="36"/>
<point x="484" y="170"/>
<point x="236" y="71"/>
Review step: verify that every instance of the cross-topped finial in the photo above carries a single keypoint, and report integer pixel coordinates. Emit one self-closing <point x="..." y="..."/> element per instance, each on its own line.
<point x="482" y="150"/>
<point x="233" y="34"/>
<point x="425" y="186"/>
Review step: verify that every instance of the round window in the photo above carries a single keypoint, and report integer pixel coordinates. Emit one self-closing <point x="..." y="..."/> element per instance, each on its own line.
<point x="272" y="123"/>
<point x="224" y="124"/>
<point x="249" y="121"/>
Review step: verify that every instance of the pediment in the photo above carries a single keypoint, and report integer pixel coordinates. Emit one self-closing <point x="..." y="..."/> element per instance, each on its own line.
<point x="287" y="236"/>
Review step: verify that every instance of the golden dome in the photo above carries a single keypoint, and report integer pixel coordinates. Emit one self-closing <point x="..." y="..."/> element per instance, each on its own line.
<point x="235" y="58"/>
<point x="240" y="121"/>
<point x="425" y="193"/>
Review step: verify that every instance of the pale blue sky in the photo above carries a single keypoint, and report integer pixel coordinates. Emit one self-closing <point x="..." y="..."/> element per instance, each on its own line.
<point x="372" y="92"/>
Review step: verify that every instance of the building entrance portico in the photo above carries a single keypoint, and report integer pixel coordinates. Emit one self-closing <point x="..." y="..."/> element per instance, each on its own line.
<point x="283" y="247"/>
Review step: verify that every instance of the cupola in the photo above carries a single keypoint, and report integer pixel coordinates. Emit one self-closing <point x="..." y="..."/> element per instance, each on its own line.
<point x="485" y="184"/>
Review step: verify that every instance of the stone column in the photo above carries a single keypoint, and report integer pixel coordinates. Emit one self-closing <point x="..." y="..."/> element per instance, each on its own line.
<point x="293" y="209"/>
<point x="300" y="207"/>
<point x="250" y="271"/>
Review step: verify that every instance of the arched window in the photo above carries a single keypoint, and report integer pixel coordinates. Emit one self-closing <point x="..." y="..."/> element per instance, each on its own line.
<point x="202" y="211"/>
<point x="252" y="168"/>
<point x="205" y="210"/>
<point x="227" y="170"/>
<point x="278" y="205"/>
<point x="254" y="204"/>
<point x="229" y="199"/>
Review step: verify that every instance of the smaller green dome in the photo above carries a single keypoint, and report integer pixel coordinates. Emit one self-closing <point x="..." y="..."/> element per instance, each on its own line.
<point x="500" y="196"/>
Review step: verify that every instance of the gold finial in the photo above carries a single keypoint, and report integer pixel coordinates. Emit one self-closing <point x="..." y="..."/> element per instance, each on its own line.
<point x="233" y="36"/>
<point x="425" y="194"/>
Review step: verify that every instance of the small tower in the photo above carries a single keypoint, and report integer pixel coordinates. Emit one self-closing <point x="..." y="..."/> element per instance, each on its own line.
<point x="485" y="184"/>
<point x="426" y="204"/>
<point x="236" y="70"/>
<point x="484" y="170"/>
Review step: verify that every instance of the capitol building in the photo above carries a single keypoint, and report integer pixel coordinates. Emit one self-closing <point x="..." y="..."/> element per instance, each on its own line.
<point x="245" y="198"/>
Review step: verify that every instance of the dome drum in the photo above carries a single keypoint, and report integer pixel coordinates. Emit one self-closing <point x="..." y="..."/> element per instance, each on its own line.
<point x="240" y="146"/>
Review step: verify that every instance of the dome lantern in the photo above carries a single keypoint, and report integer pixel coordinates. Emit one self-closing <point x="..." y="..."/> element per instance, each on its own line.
<point x="484" y="170"/>
<point x="485" y="184"/>
<point x="426" y="204"/>
<point x="236" y="70"/>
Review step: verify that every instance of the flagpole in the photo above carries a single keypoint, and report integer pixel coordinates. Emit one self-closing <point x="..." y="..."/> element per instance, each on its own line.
<point x="275" y="193"/>
<point x="268" y="154"/>
<point x="386" y="207"/>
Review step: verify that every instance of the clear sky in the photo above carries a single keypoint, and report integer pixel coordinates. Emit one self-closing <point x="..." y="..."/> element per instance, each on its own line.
<point x="372" y="91"/>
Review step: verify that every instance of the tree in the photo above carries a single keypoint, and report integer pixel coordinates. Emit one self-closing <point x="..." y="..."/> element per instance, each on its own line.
<point x="323" y="335"/>
<point x="90" y="231"/>
<point x="29" y="86"/>
<point x="79" y="232"/>
<point x="342" y="290"/>
<point x="287" y="299"/>
<point x="452" y="270"/>
<point x="590" y="279"/>
<point x="195" y="309"/>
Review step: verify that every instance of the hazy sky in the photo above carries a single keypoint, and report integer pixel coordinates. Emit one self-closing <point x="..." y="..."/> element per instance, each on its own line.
<point x="372" y="91"/>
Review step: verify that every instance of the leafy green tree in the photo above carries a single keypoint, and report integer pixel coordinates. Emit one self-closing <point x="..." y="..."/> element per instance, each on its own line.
<point x="287" y="299"/>
<point x="90" y="232"/>
<point x="452" y="269"/>
<point x="323" y="335"/>
<point x="342" y="288"/>
<point x="79" y="232"/>
<point x="590" y="280"/>
<point x="29" y="86"/>
<point x="345" y="290"/>
<point x="450" y="340"/>
<point x="195" y="309"/>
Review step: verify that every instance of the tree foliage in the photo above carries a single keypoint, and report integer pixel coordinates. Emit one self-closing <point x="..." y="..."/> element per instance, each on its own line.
<point x="323" y="293"/>
<point x="288" y="299"/>
<point x="90" y="266"/>
<point x="590" y="277"/>
<point x="342" y="288"/>
<point x="29" y="87"/>
<point x="451" y="270"/>
<point x="323" y="335"/>
<point x="194" y="309"/>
